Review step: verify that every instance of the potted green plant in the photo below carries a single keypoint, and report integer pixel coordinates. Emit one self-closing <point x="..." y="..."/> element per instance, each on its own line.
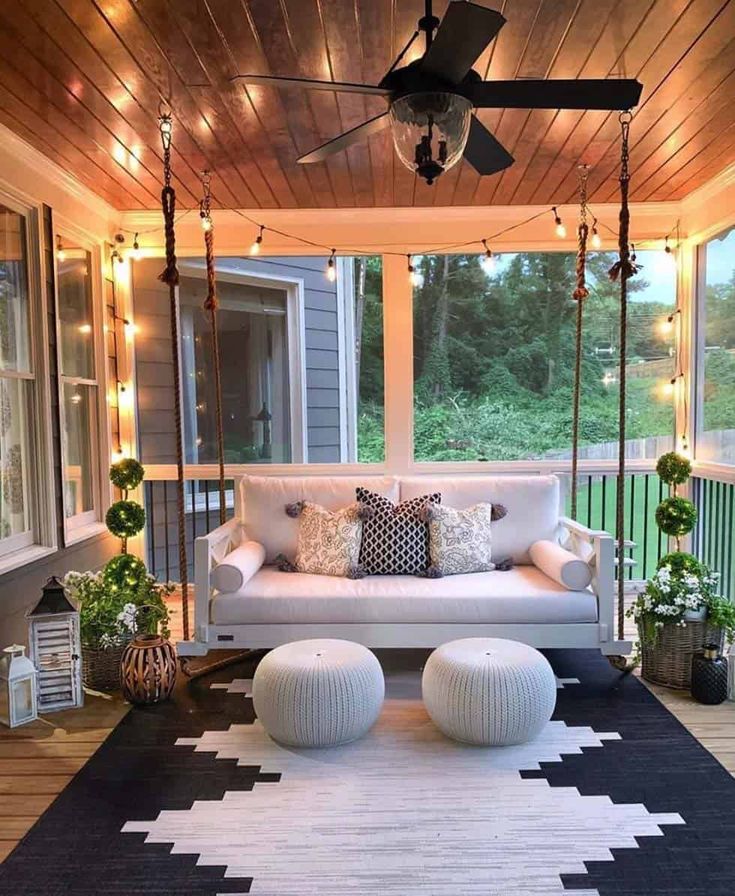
<point x="117" y="602"/>
<point x="680" y="609"/>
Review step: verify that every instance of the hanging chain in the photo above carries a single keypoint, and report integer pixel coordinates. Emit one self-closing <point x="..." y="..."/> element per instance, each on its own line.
<point x="581" y="291"/>
<point x="579" y="295"/>
<point x="170" y="276"/>
<point x="211" y="304"/>
<point x="622" y="270"/>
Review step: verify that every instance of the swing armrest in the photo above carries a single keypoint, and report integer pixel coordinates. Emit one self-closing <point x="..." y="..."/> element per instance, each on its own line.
<point x="601" y="557"/>
<point x="210" y="549"/>
<point x="581" y="530"/>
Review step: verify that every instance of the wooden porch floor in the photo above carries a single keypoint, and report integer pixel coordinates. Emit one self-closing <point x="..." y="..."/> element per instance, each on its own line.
<point x="37" y="761"/>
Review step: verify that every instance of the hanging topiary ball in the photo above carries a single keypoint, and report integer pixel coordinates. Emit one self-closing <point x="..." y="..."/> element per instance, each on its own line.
<point x="126" y="474"/>
<point x="124" y="572"/>
<point x="676" y="516"/>
<point x="125" y="519"/>
<point x="673" y="468"/>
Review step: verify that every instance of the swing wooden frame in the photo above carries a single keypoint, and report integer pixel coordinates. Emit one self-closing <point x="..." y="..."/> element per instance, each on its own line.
<point x="217" y="543"/>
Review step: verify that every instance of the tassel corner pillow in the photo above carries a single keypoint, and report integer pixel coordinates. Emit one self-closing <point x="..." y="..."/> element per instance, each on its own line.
<point x="460" y="541"/>
<point x="328" y="542"/>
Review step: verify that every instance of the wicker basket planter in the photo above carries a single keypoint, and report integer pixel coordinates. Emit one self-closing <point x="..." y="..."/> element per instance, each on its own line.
<point x="101" y="668"/>
<point x="669" y="660"/>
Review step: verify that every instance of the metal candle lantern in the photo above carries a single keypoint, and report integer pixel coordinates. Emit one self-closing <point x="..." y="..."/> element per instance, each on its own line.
<point x="17" y="687"/>
<point x="55" y="649"/>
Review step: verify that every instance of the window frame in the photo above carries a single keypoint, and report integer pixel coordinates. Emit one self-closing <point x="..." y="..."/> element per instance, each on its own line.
<point x="42" y="540"/>
<point x="413" y="465"/>
<point x="87" y="524"/>
<point x="295" y="337"/>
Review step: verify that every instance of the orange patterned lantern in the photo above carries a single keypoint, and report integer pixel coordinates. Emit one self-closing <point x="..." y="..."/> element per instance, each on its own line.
<point x="148" y="669"/>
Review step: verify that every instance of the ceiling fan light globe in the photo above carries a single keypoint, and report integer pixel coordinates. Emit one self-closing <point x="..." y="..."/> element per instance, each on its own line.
<point x="444" y="118"/>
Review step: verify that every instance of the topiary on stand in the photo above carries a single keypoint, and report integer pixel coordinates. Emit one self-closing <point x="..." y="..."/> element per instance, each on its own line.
<point x="123" y="599"/>
<point x="680" y="610"/>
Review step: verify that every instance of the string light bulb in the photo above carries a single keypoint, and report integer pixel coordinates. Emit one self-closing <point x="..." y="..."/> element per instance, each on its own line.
<point x="488" y="262"/>
<point x="596" y="239"/>
<point x="331" y="268"/>
<point x="135" y="251"/>
<point x="60" y="253"/>
<point x="257" y="242"/>
<point x="666" y="326"/>
<point x="206" y="221"/>
<point x="414" y="278"/>
<point x="668" y="388"/>
<point x="669" y="254"/>
<point x="561" y="230"/>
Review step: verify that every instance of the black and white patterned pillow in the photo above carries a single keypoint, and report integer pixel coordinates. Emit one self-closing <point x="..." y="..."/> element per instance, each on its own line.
<point x="395" y="541"/>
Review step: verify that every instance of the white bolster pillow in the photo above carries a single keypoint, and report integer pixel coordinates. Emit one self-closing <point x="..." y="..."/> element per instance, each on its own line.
<point x="238" y="567"/>
<point x="561" y="565"/>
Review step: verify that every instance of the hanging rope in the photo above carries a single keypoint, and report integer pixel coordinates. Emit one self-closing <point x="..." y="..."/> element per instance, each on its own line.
<point x="579" y="295"/>
<point x="210" y="305"/>
<point x="170" y="276"/>
<point x="623" y="269"/>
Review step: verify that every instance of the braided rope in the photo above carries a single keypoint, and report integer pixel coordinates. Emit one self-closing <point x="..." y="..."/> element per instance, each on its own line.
<point x="170" y="276"/>
<point x="579" y="295"/>
<point x="211" y="304"/>
<point x="622" y="270"/>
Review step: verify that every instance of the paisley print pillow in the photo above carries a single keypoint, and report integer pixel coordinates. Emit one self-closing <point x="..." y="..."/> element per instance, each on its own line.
<point x="329" y="541"/>
<point x="459" y="540"/>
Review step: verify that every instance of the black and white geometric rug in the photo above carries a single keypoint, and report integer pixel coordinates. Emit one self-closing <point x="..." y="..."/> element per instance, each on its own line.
<point x="192" y="797"/>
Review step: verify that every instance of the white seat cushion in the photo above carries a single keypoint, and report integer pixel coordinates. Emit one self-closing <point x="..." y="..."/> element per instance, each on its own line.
<point x="264" y="499"/>
<point x="532" y="503"/>
<point x="521" y="595"/>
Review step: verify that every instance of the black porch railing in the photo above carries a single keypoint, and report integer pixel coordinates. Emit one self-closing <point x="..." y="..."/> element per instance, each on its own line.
<point x="201" y="498"/>
<point x="713" y="539"/>
<point x="595" y="508"/>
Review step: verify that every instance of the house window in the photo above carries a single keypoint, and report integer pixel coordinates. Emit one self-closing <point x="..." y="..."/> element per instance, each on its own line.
<point x="252" y="326"/>
<point x="17" y="385"/>
<point x="494" y="358"/>
<point x="301" y="361"/>
<point x="79" y="387"/>
<point x="716" y="438"/>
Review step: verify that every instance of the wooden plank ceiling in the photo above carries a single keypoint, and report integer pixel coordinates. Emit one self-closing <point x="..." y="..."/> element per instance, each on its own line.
<point x="81" y="80"/>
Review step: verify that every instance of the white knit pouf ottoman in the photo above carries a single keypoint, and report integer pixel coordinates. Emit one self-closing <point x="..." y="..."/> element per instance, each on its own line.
<point x="489" y="691"/>
<point x="318" y="693"/>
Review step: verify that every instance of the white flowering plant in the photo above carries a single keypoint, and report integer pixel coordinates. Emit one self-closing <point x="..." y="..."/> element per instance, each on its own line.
<point x="681" y="584"/>
<point x="116" y="603"/>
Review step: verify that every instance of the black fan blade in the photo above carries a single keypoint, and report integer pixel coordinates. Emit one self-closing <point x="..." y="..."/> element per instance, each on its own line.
<point x="612" y="94"/>
<point x="463" y="34"/>
<point x="361" y="132"/>
<point x="483" y="151"/>
<point x="310" y="84"/>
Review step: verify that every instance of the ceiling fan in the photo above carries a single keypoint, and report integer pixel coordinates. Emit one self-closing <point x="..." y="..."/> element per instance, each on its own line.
<point x="432" y="99"/>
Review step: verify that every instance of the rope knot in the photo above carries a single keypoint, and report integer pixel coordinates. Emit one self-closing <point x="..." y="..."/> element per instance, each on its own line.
<point x="170" y="274"/>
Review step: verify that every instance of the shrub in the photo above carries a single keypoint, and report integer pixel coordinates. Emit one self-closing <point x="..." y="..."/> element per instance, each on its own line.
<point x="127" y="474"/>
<point x="124" y="571"/>
<point x="680" y="562"/>
<point x="125" y="519"/>
<point x="676" y="516"/>
<point x="673" y="468"/>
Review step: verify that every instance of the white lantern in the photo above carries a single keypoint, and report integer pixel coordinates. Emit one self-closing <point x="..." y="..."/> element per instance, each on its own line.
<point x="17" y="687"/>
<point x="55" y="649"/>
